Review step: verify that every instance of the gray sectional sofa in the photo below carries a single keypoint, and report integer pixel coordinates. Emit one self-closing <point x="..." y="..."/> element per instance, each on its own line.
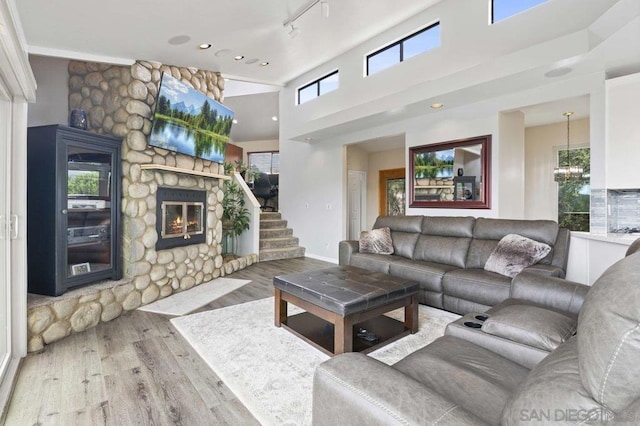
<point x="446" y="256"/>
<point x="591" y="378"/>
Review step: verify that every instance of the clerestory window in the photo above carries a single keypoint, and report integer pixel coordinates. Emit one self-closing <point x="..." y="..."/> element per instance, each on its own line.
<point x="503" y="9"/>
<point x="318" y="87"/>
<point x="410" y="46"/>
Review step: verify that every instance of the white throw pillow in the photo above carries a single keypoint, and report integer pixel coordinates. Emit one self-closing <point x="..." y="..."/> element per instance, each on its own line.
<point x="514" y="253"/>
<point x="376" y="241"/>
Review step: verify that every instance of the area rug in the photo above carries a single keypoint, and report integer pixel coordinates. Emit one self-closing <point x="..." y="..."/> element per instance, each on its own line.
<point x="269" y="369"/>
<point x="189" y="300"/>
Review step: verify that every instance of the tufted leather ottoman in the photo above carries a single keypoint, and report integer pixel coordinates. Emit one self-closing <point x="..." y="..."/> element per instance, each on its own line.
<point x="342" y="301"/>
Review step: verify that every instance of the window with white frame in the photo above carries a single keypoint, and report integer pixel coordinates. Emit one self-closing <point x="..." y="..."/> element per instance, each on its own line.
<point x="419" y="42"/>
<point x="318" y="87"/>
<point x="503" y="9"/>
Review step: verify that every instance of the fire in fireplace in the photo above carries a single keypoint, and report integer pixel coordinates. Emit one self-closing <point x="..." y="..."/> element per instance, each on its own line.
<point x="180" y="217"/>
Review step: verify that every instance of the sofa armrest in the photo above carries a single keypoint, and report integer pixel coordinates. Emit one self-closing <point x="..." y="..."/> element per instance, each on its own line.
<point x="357" y="390"/>
<point x="555" y="293"/>
<point x="345" y="249"/>
<point x="561" y="250"/>
<point x="545" y="270"/>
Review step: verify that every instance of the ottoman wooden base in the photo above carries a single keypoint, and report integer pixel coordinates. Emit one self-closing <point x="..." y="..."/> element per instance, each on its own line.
<point x="335" y="334"/>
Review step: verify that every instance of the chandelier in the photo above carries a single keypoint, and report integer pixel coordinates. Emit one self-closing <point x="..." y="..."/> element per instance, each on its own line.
<point x="568" y="172"/>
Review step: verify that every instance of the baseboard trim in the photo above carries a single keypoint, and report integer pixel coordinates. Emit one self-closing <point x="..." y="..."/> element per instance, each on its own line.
<point x="326" y="259"/>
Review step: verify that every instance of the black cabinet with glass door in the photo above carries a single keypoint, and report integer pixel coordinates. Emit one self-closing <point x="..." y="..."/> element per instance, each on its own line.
<point x="73" y="208"/>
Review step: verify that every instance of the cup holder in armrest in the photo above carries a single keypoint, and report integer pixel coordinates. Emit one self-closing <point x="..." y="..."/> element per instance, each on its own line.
<point x="481" y="317"/>
<point x="472" y="324"/>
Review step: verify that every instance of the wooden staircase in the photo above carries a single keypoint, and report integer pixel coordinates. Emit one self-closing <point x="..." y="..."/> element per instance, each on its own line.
<point x="276" y="240"/>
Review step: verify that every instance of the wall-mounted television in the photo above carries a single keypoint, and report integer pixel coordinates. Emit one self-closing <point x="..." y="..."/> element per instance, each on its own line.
<point x="189" y="122"/>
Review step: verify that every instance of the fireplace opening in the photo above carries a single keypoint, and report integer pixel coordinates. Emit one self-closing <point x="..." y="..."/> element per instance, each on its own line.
<point x="180" y="217"/>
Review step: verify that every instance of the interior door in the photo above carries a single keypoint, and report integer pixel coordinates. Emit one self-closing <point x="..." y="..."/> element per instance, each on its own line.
<point x="357" y="198"/>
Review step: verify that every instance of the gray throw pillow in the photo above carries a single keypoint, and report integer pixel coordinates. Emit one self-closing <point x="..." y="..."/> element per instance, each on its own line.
<point x="376" y="241"/>
<point x="514" y="253"/>
<point x="531" y="325"/>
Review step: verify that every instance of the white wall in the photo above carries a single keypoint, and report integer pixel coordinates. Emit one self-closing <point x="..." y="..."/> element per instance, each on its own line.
<point x="471" y="53"/>
<point x="357" y="159"/>
<point x="312" y="195"/>
<point x="382" y="160"/>
<point x="511" y="161"/>
<point x="52" y="94"/>
<point x="541" y="154"/>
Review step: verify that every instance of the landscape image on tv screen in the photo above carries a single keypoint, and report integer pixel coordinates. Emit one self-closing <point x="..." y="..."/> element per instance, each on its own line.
<point x="189" y="122"/>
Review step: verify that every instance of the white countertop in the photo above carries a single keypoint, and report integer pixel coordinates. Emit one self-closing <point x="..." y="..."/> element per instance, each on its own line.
<point x="625" y="239"/>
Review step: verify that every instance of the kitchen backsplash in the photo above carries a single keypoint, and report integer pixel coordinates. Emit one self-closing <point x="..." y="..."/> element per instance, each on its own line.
<point x="598" y="219"/>
<point x="624" y="210"/>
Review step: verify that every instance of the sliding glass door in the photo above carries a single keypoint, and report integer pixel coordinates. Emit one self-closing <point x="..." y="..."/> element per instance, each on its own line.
<point x="17" y="88"/>
<point x="5" y="238"/>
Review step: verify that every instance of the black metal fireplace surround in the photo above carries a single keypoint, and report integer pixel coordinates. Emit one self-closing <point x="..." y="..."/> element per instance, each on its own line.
<point x="181" y="217"/>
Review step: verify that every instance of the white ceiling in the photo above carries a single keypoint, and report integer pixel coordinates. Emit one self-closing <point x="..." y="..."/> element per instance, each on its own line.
<point x="125" y="30"/>
<point x="254" y="115"/>
<point x="551" y="112"/>
<point x="253" y="28"/>
<point x="121" y="31"/>
<point x="381" y="144"/>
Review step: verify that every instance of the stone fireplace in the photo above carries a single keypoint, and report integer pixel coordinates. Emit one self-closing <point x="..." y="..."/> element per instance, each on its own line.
<point x="119" y="101"/>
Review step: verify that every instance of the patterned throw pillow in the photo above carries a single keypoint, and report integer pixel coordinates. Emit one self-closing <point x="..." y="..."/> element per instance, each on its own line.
<point x="376" y="241"/>
<point x="514" y="253"/>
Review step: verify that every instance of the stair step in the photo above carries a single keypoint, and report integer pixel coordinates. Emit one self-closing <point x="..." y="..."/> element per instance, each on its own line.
<point x="270" y="216"/>
<point x="271" y="224"/>
<point x="275" y="233"/>
<point x="269" y="243"/>
<point x="281" y="253"/>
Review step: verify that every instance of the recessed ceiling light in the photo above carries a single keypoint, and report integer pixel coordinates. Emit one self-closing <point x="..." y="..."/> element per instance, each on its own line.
<point x="558" y="72"/>
<point x="308" y="138"/>
<point x="204" y="46"/>
<point x="274" y="118"/>
<point x="436" y="106"/>
<point x="234" y="121"/>
<point x="239" y="57"/>
<point x="264" y="64"/>
<point x="180" y="39"/>
<point x="251" y="61"/>
<point x="223" y="52"/>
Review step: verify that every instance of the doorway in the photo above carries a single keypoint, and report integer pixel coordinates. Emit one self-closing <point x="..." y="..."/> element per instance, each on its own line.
<point x="392" y="192"/>
<point x="357" y="201"/>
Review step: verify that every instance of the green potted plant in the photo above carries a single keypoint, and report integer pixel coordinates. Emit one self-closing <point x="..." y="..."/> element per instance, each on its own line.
<point x="248" y="174"/>
<point x="235" y="216"/>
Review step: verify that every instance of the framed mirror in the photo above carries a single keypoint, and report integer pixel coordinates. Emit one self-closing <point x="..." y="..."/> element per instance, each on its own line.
<point x="454" y="174"/>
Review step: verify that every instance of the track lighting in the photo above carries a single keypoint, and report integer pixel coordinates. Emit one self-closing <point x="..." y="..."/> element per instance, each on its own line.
<point x="324" y="5"/>
<point x="294" y="31"/>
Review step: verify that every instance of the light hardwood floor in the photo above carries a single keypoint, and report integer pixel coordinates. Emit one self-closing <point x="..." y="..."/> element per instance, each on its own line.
<point x="137" y="370"/>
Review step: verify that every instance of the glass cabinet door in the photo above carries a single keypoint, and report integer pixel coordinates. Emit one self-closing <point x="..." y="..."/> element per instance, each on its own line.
<point x="89" y="181"/>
